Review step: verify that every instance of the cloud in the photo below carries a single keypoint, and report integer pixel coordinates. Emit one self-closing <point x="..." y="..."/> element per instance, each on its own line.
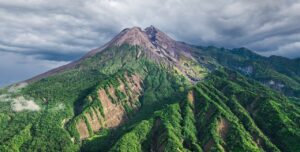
<point x="17" y="88"/>
<point x="21" y="104"/>
<point x="289" y="50"/>
<point x="75" y="27"/>
<point x="15" y="67"/>
<point x="63" y="30"/>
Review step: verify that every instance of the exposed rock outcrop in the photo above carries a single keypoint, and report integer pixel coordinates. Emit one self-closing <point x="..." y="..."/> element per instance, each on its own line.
<point x="113" y="101"/>
<point x="114" y="113"/>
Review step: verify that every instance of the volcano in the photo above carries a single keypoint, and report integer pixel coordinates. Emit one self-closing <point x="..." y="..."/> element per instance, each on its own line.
<point x="144" y="91"/>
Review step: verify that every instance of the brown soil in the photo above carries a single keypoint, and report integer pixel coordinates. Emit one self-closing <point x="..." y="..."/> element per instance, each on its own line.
<point x="93" y="121"/>
<point x="134" y="89"/>
<point x="134" y="82"/>
<point x="223" y="127"/>
<point x="112" y="93"/>
<point x="137" y="83"/>
<point x="114" y="114"/>
<point x="99" y="115"/>
<point x="191" y="97"/>
<point x="82" y="129"/>
<point x="122" y="87"/>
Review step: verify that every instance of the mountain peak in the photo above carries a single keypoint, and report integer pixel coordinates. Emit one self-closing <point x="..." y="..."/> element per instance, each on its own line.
<point x="133" y="36"/>
<point x="151" y="31"/>
<point x="151" y="39"/>
<point x="156" y="44"/>
<point x="137" y="36"/>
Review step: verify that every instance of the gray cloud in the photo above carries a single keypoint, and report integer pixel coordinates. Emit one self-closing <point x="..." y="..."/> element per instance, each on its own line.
<point x="63" y="30"/>
<point x="15" y="67"/>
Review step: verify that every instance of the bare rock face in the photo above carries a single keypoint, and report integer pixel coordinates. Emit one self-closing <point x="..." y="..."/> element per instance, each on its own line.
<point x="114" y="113"/>
<point x="157" y="44"/>
<point x="163" y="41"/>
<point x="133" y="36"/>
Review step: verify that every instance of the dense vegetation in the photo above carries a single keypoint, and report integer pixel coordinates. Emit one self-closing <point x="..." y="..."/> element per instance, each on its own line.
<point x="278" y="73"/>
<point x="233" y="108"/>
<point x="215" y="122"/>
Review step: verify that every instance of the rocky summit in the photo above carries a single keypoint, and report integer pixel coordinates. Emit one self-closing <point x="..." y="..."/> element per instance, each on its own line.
<point x="144" y="91"/>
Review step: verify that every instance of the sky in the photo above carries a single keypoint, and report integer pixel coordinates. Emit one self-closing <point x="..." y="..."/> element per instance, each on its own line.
<point x="38" y="35"/>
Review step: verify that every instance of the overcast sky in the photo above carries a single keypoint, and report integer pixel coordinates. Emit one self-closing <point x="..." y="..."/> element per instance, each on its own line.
<point x="37" y="35"/>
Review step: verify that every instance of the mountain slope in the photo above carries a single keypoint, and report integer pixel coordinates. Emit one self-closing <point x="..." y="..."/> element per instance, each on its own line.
<point x="143" y="91"/>
<point x="278" y="73"/>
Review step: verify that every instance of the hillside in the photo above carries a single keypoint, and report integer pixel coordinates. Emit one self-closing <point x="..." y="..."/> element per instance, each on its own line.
<point x="144" y="91"/>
